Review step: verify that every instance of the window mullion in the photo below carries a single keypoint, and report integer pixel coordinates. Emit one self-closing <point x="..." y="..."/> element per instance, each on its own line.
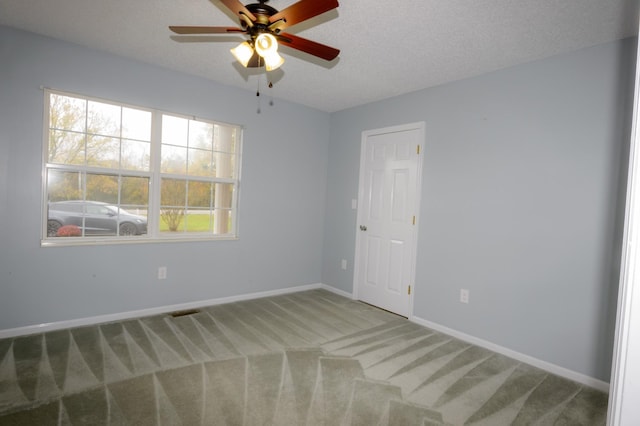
<point x="153" y="215"/>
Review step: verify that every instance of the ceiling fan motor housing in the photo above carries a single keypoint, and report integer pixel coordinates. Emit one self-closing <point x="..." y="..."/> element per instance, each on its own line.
<point x="262" y="12"/>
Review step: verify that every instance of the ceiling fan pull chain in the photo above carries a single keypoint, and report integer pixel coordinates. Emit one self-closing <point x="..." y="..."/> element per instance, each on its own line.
<point x="258" y="95"/>
<point x="271" y="92"/>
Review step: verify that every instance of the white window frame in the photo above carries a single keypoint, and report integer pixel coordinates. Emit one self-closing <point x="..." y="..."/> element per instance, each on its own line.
<point x="154" y="174"/>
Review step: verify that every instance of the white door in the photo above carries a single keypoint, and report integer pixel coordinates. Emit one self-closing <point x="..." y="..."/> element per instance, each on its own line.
<point x="388" y="200"/>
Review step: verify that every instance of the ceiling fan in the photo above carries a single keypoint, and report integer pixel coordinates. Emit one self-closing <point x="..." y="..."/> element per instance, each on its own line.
<point x="264" y="24"/>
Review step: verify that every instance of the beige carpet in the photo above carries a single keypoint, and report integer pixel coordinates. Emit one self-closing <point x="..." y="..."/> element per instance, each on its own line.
<point x="309" y="358"/>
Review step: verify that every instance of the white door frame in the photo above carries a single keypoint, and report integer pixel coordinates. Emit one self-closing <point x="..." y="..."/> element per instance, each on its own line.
<point x="624" y="392"/>
<point x="420" y="127"/>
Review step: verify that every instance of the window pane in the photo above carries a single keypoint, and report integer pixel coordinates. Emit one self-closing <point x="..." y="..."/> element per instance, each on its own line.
<point x="102" y="188"/>
<point x="200" y="135"/>
<point x="171" y="220"/>
<point x="136" y="124"/>
<point x="63" y="185"/>
<point x="89" y="218"/>
<point x="103" y="119"/>
<point x="173" y="193"/>
<point x="103" y="151"/>
<point x="198" y="220"/>
<point x="136" y="211"/>
<point x="65" y="219"/>
<point x="66" y="147"/>
<point x="224" y="165"/>
<point x="200" y="194"/>
<point x="225" y="139"/>
<point x="200" y="163"/>
<point x="134" y="192"/>
<point x="222" y="221"/>
<point x="67" y="113"/>
<point x="174" y="130"/>
<point x="131" y="221"/>
<point x="223" y="195"/>
<point x="135" y="155"/>
<point x="173" y="159"/>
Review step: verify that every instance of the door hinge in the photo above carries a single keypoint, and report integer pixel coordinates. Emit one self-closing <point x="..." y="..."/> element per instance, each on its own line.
<point x="418" y="149"/>
<point x="414" y="220"/>
<point x="409" y="290"/>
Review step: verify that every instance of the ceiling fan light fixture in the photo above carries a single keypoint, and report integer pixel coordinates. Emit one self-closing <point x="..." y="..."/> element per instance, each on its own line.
<point x="273" y="61"/>
<point x="263" y="26"/>
<point x="267" y="47"/>
<point x="266" y="44"/>
<point x="243" y="53"/>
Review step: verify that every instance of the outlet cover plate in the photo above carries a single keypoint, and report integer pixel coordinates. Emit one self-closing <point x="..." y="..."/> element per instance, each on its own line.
<point x="464" y="295"/>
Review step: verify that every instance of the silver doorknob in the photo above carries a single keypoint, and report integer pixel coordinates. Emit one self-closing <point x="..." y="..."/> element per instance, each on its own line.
<point x="363" y="228"/>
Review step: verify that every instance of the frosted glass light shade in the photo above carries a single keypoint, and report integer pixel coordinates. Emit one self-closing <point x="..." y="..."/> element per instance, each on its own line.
<point x="243" y="53"/>
<point x="267" y="47"/>
<point x="273" y="61"/>
<point x="266" y="44"/>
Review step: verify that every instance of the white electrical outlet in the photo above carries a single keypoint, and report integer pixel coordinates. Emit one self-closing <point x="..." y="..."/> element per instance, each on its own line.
<point x="162" y="273"/>
<point x="464" y="295"/>
<point x="343" y="265"/>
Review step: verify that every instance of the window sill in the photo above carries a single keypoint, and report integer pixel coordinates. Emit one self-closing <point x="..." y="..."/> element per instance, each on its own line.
<point x="71" y="242"/>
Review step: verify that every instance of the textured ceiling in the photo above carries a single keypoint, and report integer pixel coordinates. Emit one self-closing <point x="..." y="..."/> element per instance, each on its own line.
<point x="387" y="47"/>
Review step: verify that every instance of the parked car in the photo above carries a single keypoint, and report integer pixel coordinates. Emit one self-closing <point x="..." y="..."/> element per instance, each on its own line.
<point x="99" y="218"/>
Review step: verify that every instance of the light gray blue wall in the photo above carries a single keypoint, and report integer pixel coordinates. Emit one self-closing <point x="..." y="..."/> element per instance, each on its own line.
<point x="522" y="202"/>
<point x="282" y="193"/>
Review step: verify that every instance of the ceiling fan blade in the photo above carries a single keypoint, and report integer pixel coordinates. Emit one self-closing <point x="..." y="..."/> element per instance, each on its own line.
<point x="238" y="8"/>
<point x="205" y="30"/>
<point x="301" y="11"/>
<point x="313" y="48"/>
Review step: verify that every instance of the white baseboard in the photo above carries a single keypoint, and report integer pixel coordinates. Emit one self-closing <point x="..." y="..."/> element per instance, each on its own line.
<point x="337" y="291"/>
<point x="544" y="365"/>
<point x="99" y="319"/>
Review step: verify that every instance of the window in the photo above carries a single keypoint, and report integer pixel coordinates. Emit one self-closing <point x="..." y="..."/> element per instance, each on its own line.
<point x="123" y="173"/>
